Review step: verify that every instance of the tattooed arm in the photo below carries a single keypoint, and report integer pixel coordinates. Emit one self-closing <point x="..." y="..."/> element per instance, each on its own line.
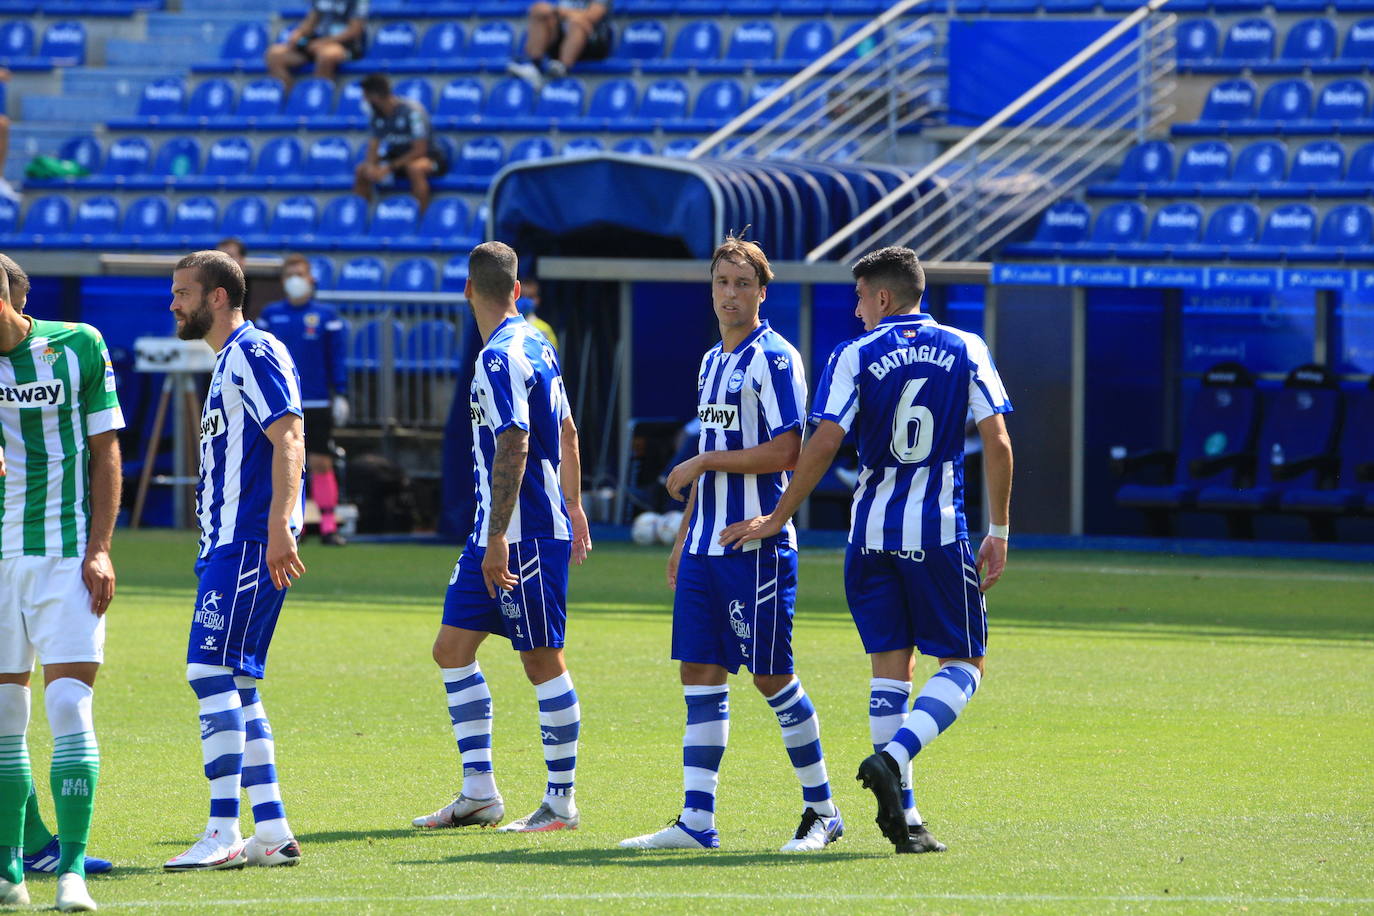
<point x="507" y="470"/>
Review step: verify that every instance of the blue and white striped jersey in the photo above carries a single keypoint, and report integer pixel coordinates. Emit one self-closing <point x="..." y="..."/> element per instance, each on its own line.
<point x="746" y="397"/>
<point x="905" y="390"/>
<point x="517" y="382"/>
<point x="254" y="384"/>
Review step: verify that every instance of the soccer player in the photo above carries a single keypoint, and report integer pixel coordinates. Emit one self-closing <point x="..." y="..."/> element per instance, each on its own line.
<point x="903" y="389"/>
<point x="248" y="504"/>
<point x="317" y="339"/>
<point x="59" y="494"/>
<point x="512" y="578"/>
<point x="733" y="608"/>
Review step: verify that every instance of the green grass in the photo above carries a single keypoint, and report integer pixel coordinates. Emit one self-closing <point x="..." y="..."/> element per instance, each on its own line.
<point x="1154" y="735"/>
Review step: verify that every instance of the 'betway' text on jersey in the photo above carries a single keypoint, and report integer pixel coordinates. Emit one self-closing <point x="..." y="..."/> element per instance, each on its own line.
<point x="905" y="390"/>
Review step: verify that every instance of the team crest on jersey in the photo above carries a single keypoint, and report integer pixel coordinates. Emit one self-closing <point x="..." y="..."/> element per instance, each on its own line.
<point x="311" y="320"/>
<point x="782" y="362"/>
<point x="212" y="424"/>
<point x="736" y="381"/>
<point x="258" y="349"/>
<point x="719" y="416"/>
<point x="494" y="365"/>
<point x="48" y="393"/>
<point x="216" y="385"/>
<point x="49" y="355"/>
<point x="737" y="621"/>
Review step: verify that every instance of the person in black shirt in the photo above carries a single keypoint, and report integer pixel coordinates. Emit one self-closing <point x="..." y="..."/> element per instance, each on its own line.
<point x="402" y="143"/>
<point x="332" y="32"/>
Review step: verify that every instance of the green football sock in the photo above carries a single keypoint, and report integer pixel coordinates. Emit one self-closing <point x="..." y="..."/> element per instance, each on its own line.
<point x="75" y="772"/>
<point x="36" y="833"/>
<point x="15" y="784"/>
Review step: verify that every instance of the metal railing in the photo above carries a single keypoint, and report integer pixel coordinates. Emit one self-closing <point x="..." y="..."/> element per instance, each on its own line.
<point x="986" y="186"/>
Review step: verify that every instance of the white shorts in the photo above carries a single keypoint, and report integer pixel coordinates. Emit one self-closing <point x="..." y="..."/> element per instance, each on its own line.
<point x="45" y="609"/>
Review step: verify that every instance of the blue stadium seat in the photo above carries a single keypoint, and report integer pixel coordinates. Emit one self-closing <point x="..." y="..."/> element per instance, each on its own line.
<point x="1174" y="225"/>
<point x="1217" y="447"/>
<point x="697" y="41"/>
<point x="309" y="99"/>
<point x="1118" y="224"/>
<point x="162" y="98"/>
<point x="261" y="98"/>
<point x="583" y="146"/>
<point x="127" y="156"/>
<point x="95" y="216"/>
<point x="211" y="100"/>
<point x="454" y="276"/>
<point x="1289" y="226"/>
<point x="395" y="216"/>
<point x="365" y="347"/>
<point x="1231" y="227"/>
<point x="9" y="216"/>
<point x="613" y="101"/>
<point x="1320" y="162"/>
<point x="322" y="269"/>
<point x="1343" y="100"/>
<point x="1350" y="226"/>
<point x="84" y="151"/>
<point x="279" y="157"/>
<point x="1354" y="484"/>
<point x="1064" y="223"/>
<point x="178" y="157"/>
<point x="1197" y="40"/>
<point x="1310" y="40"/>
<point x="228" y="157"/>
<point x="16" y="39"/>
<point x="717" y="102"/>
<point x="48" y="215"/>
<point x="245" y="216"/>
<point x="344" y="216"/>
<point x="393" y="41"/>
<point x="635" y="146"/>
<point x="510" y="98"/>
<point x="328" y="157"/>
<point x="561" y="99"/>
<point x="664" y="100"/>
<point x="349" y="109"/>
<point x="65" y="43"/>
<point x="1231" y="100"/>
<point x="363" y="273"/>
<point x="145" y="219"/>
<point x="195" y="218"/>
<point x="432" y="346"/>
<point x="480" y="216"/>
<point x="1359" y="178"/>
<point x="491" y="41"/>
<point x="1202" y="166"/>
<point x="1262" y="163"/>
<point x="1283" y="102"/>
<point x="1359" y="41"/>
<point x="531" y="149"/>
<point x="753" y="41"/>
<point x="448" y="220"/>
<point x="293" y="217"/>
<point x="414" y="275"/>
<point x="460" y="99"/>
<point x="481" y="157"/>
<point x="808" y="41"/>
<point x="1249" y="40"/>
<point x="642" y="40"/>
<point x="443" y="43"/>
<point x="245" y="43"/>
<point x="1151" y="162"/>
<point x="678" y="149"/>
<point x="416" y="89"/>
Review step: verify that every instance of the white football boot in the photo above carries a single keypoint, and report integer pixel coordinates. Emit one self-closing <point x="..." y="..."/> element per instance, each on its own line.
<point x="676" y="835"/>
<point x="465" y="812"/>
<point x="72" y="896"/>
<point x="282" y="852"/>
<point x="210" y="853"/>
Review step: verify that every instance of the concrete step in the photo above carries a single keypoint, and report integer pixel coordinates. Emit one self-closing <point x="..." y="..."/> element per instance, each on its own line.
<point x="178" y="53"/>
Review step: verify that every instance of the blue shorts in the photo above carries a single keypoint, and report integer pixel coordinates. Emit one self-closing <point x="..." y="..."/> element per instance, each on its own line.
<point x="736" y="609"/>
<point x="929" y="600"/>
<point x="534" y="614"/>
<point x="236" y="609"/>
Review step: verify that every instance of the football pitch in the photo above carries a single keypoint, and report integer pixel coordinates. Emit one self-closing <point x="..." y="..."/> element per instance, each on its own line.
<point x="1155" y="734"/>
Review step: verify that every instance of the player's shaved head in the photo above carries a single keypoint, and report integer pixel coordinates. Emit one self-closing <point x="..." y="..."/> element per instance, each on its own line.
<point x="16" y="282"/>
<point x="492" y="268"/>
<point x="896" y="270"/>
<point x="746" y="254"/>
<point x="216" y="270"/>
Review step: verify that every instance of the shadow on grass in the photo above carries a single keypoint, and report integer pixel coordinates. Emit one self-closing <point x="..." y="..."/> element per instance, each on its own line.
<point x="353" y="836"/>
<point x="637" y="858"/>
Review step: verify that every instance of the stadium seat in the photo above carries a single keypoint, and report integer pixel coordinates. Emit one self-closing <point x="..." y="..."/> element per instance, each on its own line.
<point x="261" y="98"/>
<point x="245" y="216"/>
<point x="432" y="346"/>
<point x="717" y="102"/>
<point x="293" y="217"/>
<point x="64" y="43"/>
<point x="1197" y="40"/>
<point x="48" y="215"/>
<point x="480" y="216"/>
<point x="16" y="39"/>
<point x="162" y="98"/>
<point x="1230" y="228"/>
<point x="395" y="216"/>
<point x="583" y="146"/>
<point x="329" y="157"/>
<point x="532" y="149"/>
<point x="212" y="100"/>
<point x="1296" y="449"/>
<point x="561" y="100"/>
<point x="1231" y="100"/>
<point x="634" y="146"/>
<point x="1202" y="166"/>
<point x="1347" y="232"/>
<point x="613" y="102"/>
<point x="1288" y="227"/>
<point x="1359" y="41"/>
<point x="696" y="41"/>
<point x="1117" y="224"/>
<point x="349" y="110"/>
<point x="228" y="157"/>
<point x="454" y="277"/>
<point x="279" y="157"/>
<point x="246" y="43"/>
<point x="365" y="347"/>
<point x="664" y="100"/>
<point x="344" y="216"/>
<point x="1319" y="163"/>
<point x="491" y="42"/>
<point x="509" y="99"/>
<point x="9" y="216"/>
<point x="1359" y="177"/>
<point x="416" y="89"/>
<point x="322" y="269"/>
<point x="1149" y="163"/>
<point x="195" y="218"/>
<point x="1343" y="100"/>
<point x="393" y="41"/>
<point x="753" y="41"/>
<point x="642" y="40"/>
<point x="127" y="156"/>
<point x="414" y="275"/>
<point x="1064" y="223"/>
<point x="145" y="221"/>
<point x="1310" y="40"/>
<point x="481" y="157"/>
<point x="1283" y="102"/>
<point x="1216" y="448"/>
<point x="447" y="221"/>
<point x="1261" y="163"/>
<point x="1173" y="226"/>
<point x="179" y="157"/>
<point x="363" y="273"/>
<point x="442" y="44"/>
<point x="459" y="100"/>
<point x="309" y="99"/>
<point x="95" y="217"/>
<point x="1353" y="489"/>
<point x="84" y="151"/>
<point x="1249" y="40"/>
<point x="808" y="41"/>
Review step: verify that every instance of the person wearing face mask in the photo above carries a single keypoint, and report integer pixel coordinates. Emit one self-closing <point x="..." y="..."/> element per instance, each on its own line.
<point x="317" y="339"/>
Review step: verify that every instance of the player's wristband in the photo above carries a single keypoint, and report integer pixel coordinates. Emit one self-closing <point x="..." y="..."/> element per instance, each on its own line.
<point x="999" y="531"/>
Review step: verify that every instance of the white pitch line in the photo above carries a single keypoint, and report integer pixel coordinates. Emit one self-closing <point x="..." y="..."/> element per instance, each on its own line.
<point x="1198" y="573"/>
<point x="914" y="897"/>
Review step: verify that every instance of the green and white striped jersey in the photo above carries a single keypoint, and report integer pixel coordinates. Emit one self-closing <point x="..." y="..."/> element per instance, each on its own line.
<point x="56" y="388"/>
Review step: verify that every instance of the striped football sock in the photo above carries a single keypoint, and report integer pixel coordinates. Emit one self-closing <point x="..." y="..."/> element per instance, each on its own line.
<point x="36" y="833"/>
<point x="887" y="708"/>
<point x="260" y="766"/>
<point x="469" y="709"/>
<point x="222" y="742"/>
<point x="801" y="735"/>
<point x="939" y="703"/>
<point x="75" y="768"/>
<point x="16" y="780"/>
<point x="703" y="745"/>
<point x="560" y="722"/>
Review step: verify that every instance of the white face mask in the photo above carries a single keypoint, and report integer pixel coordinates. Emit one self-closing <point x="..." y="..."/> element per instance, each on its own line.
<point x="296" y="286"/>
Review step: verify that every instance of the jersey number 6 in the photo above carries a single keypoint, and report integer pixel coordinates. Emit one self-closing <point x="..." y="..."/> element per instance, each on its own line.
<point x="913" y="426"/>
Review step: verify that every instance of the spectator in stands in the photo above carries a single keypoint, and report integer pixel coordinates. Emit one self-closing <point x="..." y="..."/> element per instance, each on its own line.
<point x="528" y="304"/>
<point x="317" y="339"/>
<point x="233" y="246"/>
<point x="332" y="32"/>
<point x="6" y="189"/>
<point x="402" y="142"/>
<point x="562" y="32"/>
